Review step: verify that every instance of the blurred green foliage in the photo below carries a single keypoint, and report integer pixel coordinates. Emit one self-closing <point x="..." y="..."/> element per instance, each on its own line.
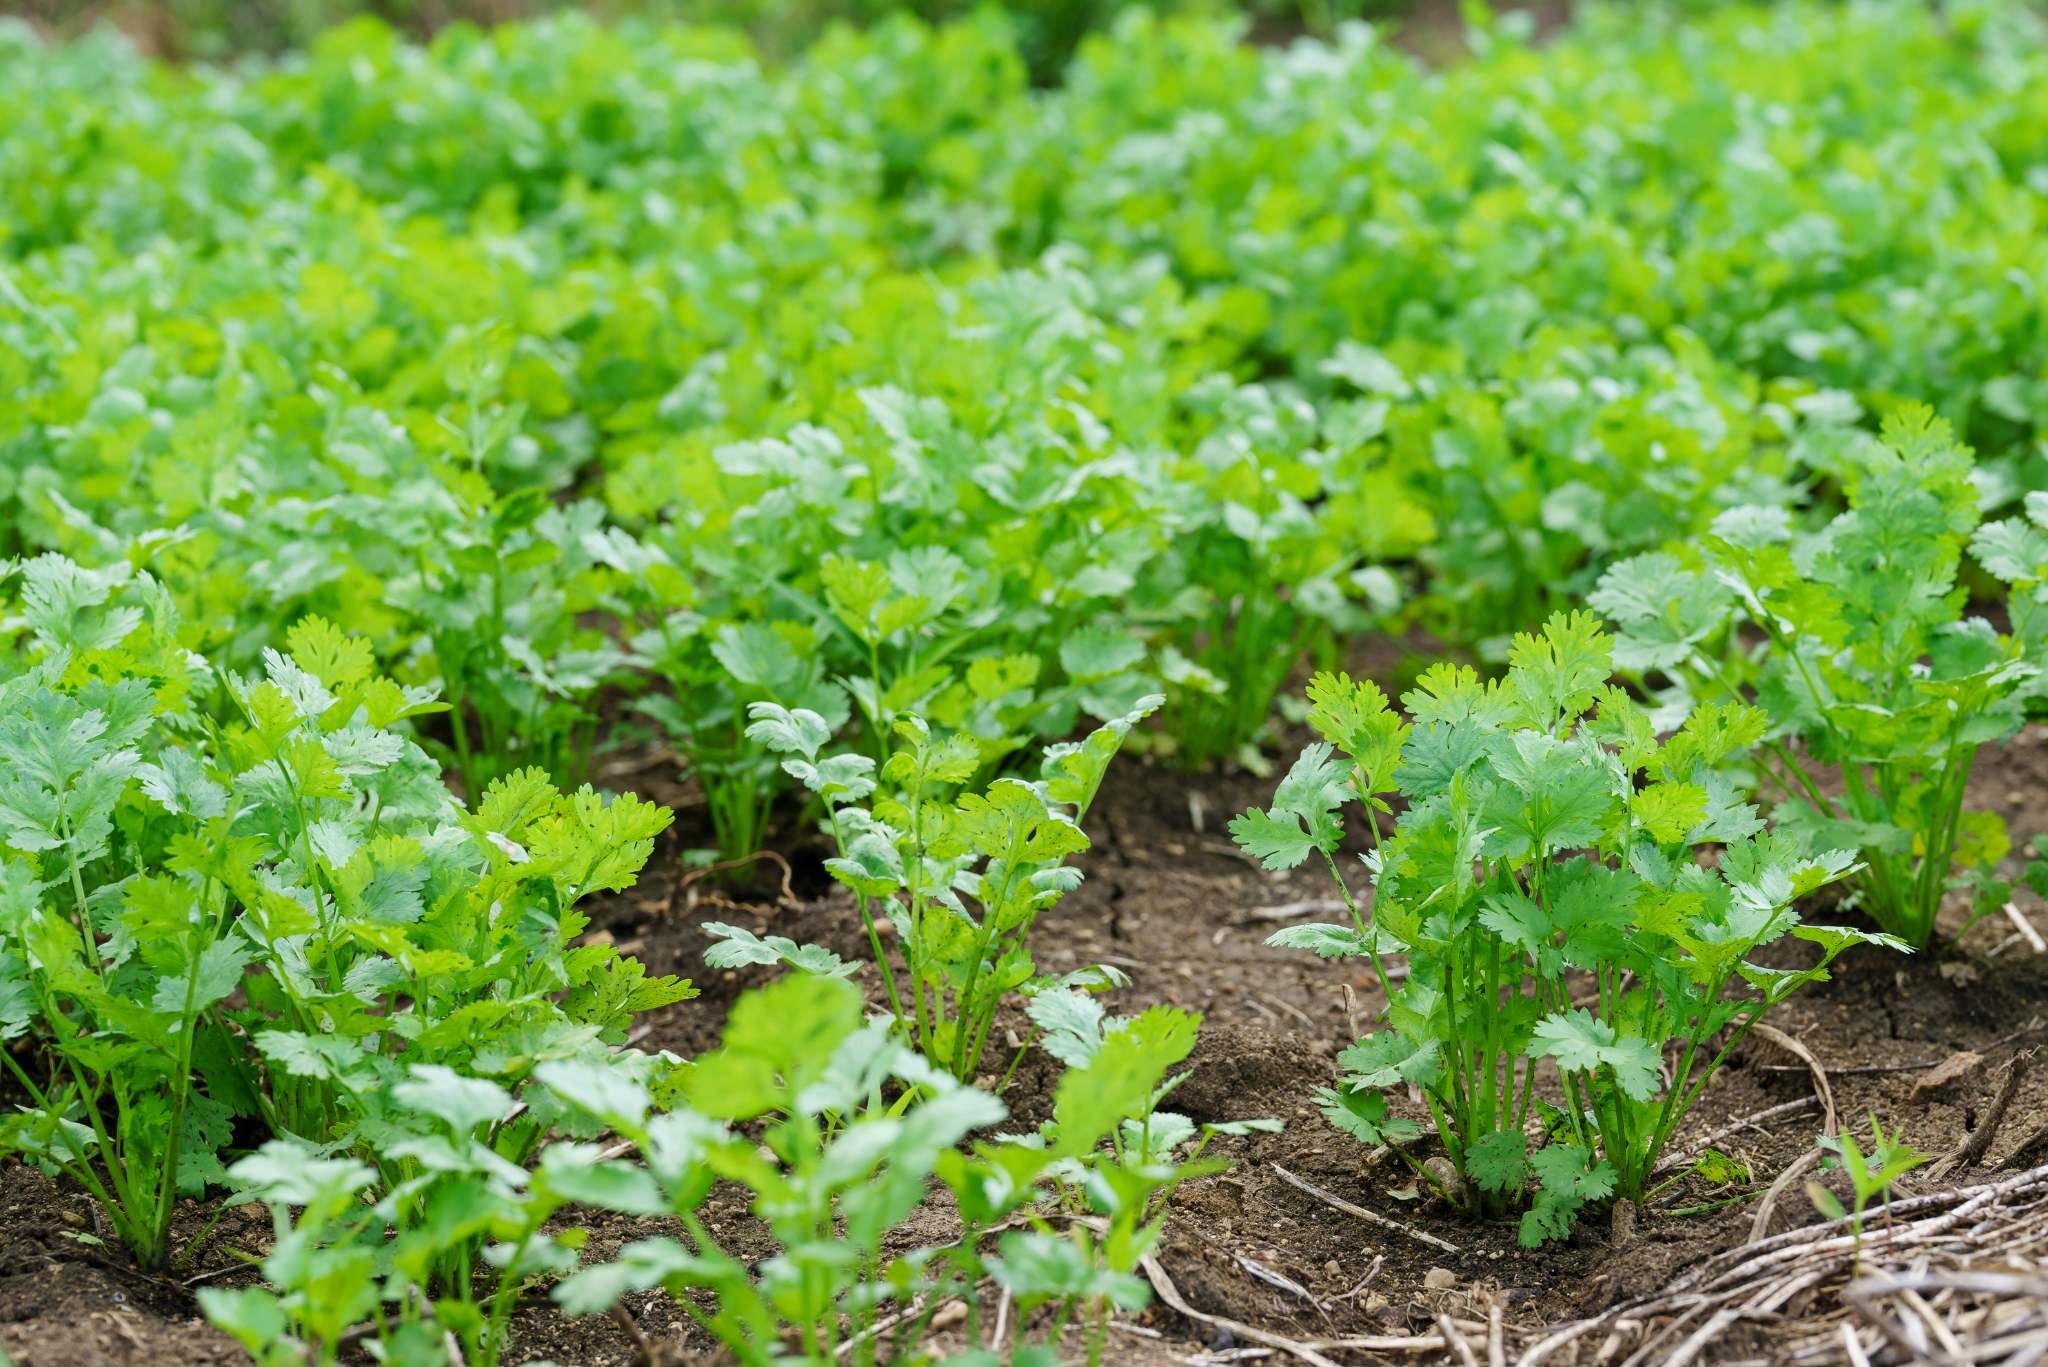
<point x="568" y="360"/>
<point x="1048" y="31"/>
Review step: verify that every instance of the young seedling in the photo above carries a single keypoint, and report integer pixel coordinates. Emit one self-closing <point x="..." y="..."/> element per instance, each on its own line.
<point x="1871" y="1175"/>
<point x="402" y="1258"/>
<point x="961" y="878"/>
<point x="1061" y="1218"/>
<point x="833" y="1125"/>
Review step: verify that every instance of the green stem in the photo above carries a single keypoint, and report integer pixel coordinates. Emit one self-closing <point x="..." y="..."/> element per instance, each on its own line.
<point x="82" y="1172"/>
<point x="875" y="718"/>
<point x="966" y="999"/>
<point x="181" y="1086"/>
<point x="1365" y="933"/>
<point x="86" y="933"/>
<point x="867" y="920"/>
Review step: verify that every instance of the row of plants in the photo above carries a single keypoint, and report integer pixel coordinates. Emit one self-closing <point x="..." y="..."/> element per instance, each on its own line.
<point x="253" y="949"/>
<point x="835" y="1130"/>
<point x="569" y="364"/>
<point x="1544" y="884"/>
<point x="256" y="946"/>
<point x="869" y="427"/>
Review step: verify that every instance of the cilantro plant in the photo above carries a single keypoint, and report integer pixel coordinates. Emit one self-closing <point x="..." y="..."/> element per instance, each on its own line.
<point x="415" y="932"/>
<point x="507" y="610"/>
<point x="960" y="877"/>
<point x="1113" y="1160"/>
<point x="713" y="677"/>
<point x="403" y="1259"/>
<point x="851" y="1124"/>
<point x="841" y="1131"/>
<point x="272" y="922"/>
<point x="2015" y="551"/>
<point x="116" y="972"/>
<point x="878" y="642"/>
<point x="1871" y="1174"/>
<point x="1544" y="885"/>
<point x="502" y="581"/>
<point x="1880" y="689"/>
<point x="322" y="1281"/>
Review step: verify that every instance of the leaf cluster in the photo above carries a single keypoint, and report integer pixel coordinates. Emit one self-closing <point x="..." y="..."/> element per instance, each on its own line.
<point x="1544" y="889"/>
<point x="1855" y="641"/>
<point x="269" y="927"/>
<point x="959" y="876"/>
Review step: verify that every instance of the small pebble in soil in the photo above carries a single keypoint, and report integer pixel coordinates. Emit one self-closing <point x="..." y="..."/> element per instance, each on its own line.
<point x="1440" y="1279"/>
<point x="1947" y="1077"/>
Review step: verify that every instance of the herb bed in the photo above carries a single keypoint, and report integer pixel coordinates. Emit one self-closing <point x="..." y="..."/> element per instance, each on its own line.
<point x="1174" y="905"/>
<point x="614" y="422"/>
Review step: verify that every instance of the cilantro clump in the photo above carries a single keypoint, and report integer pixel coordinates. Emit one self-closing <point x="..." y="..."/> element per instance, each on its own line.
<point x="1879" y="689"/>
<point x="838" y="1129"/>
<point x="1545" y="885"/>
<point x="268" y="916"/>
<point x="960" y="876"/>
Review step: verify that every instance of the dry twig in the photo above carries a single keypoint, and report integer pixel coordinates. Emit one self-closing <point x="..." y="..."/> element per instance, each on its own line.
<point x="1272" y="1277"/>
<point x="1979" y="1143"/>
<point x="686" y="883"/>
<point x="1459" y="1348"/>
<point x="1956" y="1277"/>
<point x="1155" y="1273"/>
<point x="643" y="1348"/>
<point x="1338" y="1202"/>
<point x="1673" y="1161"/>
<point x="2025" y="928"/>
<point x="1293" y="911"/>
<point x="1767" y="1206"/>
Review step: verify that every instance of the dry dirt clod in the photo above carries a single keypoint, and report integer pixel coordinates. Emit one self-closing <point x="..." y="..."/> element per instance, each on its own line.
<point x="1959" y="972"/>
<point x="1440" y="1279"/>
<point x="1944" y="1079"/>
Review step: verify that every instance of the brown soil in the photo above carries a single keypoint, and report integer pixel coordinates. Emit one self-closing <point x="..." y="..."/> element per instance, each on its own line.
<point x="71" y="1297"/>
<point x="1168" y="899"/>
